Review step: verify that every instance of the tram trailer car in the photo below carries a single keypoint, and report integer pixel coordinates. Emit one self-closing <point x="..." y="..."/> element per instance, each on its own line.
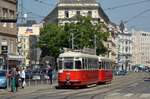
<point x="77" y="69"/>
<point x="105" y="70"/>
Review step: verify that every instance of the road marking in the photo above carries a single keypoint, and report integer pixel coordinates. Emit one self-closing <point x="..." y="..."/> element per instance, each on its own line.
<point x="133" y="85"/>
<point x="145" y="95"/>
<point x="128" y="95"/>
<point x="114" y="94"/>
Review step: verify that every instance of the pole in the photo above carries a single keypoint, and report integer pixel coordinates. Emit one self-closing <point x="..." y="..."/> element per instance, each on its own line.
<point x="7" y="64"/>
<point x="72" y="39"/>
<point x="95" y="42"/>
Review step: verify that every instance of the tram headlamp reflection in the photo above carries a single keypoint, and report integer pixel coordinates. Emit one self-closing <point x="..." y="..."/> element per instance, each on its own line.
<point x="67" y="77"/>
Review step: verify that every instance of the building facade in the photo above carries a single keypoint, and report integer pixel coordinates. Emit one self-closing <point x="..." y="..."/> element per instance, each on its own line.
<point x="66" y="10"/>
<point x="124" y="50"/>
<point x="8" y="30"/>
<point x="28" y="38"/>
<point x="141" y="46"/>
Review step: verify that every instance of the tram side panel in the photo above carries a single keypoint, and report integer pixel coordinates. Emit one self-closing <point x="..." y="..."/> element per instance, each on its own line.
<point x="77" y="77"/>
<point x="105" y="76"/>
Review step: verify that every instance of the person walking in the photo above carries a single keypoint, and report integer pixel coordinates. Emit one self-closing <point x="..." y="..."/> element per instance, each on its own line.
<point x="22" y="76"/>
<point x="12" y="75"/>
<point x="50" y="74"/>
<point x="17" y="76"/>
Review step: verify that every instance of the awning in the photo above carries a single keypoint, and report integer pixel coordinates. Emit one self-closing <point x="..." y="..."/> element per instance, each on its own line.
<point x="15" y="57"/>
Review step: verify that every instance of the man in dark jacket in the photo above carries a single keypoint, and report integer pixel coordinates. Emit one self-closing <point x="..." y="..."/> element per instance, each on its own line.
<point x="50" y="74"/>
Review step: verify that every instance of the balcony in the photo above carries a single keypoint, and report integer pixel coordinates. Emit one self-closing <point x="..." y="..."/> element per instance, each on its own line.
<point x="11" y="1"/>
<point x="8" y="20"/>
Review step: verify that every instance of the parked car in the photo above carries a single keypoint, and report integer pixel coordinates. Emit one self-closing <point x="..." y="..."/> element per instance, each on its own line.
<point x="36" y="77"/>
<point x="120" y="72"/>
<point x="3" y="79"/>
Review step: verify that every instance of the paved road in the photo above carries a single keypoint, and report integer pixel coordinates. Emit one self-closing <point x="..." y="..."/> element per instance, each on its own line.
<point x="122" y="87"/>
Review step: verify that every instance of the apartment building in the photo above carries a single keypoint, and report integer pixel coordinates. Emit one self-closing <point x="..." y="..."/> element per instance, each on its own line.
<point x="124" y="50"/>
<point x="8" y="30"/>
<point x="28" y="38"/>
<point x="141" y="48"/>
<point x="65" y="11"/>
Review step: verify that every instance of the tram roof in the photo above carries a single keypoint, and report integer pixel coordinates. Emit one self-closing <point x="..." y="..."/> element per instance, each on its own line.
<point x="104" y="59"/>
<point x="77" y="54"/>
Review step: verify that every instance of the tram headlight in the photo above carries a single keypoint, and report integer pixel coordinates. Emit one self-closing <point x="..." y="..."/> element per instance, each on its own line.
<point x="60" y="71"/>
<point x="67" y="77"/>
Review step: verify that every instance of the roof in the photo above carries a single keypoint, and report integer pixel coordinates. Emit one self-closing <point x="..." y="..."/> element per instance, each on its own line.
<point x="104" y="59"/>
<point x="77" y="1"/>
<point x="77" y="54"/>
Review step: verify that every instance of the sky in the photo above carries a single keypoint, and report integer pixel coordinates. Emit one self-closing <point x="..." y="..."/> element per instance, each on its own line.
<point x="135" y="13"/>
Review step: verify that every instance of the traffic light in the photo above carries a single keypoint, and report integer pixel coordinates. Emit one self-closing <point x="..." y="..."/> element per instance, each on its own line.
<point x="4" y="49"/>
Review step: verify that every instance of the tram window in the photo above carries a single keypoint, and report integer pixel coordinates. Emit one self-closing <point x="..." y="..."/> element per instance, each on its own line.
<point x="83" y="63"/>
<point x="107" y="65"/>
<point x="95" y="64"/>
<point x="103" y="65"/>
<point x="68" y="65"/>
<point x="78" y="65"/>
<point x="100" y="65"/>
<point x="86" y="64"/>
<point x="89" y="64"/>
<point x="60" y="64"/>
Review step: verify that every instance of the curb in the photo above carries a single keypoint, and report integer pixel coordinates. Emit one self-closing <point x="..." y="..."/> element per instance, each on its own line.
<point x="27" y="90"/>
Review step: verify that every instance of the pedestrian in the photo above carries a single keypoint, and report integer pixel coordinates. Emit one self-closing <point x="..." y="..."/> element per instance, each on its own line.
<point x="22" y="76"/>
<point x="12" y="76"/>
<point x="17" y="76"/>
<point x="50" y="74"/>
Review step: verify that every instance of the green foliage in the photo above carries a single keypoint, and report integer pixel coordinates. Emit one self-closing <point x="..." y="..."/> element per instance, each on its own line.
<point x="54" y="37"/>
<point x="84" y="34"/>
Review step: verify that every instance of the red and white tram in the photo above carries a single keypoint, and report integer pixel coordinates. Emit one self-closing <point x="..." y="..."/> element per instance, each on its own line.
<point x="77" y="69"/>
<point x="105" y="70"/>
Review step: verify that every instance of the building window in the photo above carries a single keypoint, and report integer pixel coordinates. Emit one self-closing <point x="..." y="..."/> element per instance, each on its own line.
<point x="143" y="34"/>
<point x="5" y="15"/>
<point x="12" y="14"/>
<point x="11" y="46"/>
<point x="90" y="13"/>
<point x="66" y="14"/>
<point x="126" y="42"/>
<point x="78" y="13"/>
<point x="126" y="49"/>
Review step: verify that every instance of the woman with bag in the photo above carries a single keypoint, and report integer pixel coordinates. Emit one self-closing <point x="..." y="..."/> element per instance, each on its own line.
<point x="22" y="76"/>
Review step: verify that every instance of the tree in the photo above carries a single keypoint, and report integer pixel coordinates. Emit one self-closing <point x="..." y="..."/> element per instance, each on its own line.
<point x="85" y="34"/>
<point x="54" y="37"/>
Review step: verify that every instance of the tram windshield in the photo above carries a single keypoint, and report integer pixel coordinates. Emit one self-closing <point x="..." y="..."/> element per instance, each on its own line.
<point x="68" y="64"/>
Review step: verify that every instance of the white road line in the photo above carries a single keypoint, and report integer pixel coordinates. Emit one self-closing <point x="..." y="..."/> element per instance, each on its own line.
<point x="114" y="94"/>
<point x="145" y="95"/>
<point x="134" y="85"/>
<point x="128" y="95"/>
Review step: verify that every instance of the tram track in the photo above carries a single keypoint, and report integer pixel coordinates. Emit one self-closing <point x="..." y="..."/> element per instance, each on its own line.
<point x="106" y="89"/>
<point x="112" y="89"/>
<point x="69" y="93"/>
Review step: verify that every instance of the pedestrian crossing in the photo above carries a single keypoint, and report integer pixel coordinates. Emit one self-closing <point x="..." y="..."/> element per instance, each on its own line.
<point x="117" y="95"/>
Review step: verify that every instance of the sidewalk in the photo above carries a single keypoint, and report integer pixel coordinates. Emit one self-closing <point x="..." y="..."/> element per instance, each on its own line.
<point x="27" y="90"/>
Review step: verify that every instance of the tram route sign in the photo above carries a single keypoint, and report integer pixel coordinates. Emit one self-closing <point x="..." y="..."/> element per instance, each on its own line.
<point x="84" y="50"/>
<point x="89" y="51"/>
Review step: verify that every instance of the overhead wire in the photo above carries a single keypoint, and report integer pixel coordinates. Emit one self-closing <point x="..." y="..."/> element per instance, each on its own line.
<point x="139" y="14"/>
<point x="128" y="4"/>
<point x="111" y="8"/>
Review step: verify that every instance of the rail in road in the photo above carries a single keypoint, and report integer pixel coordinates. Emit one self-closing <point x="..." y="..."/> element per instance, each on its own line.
<point x="118" y="83"/>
